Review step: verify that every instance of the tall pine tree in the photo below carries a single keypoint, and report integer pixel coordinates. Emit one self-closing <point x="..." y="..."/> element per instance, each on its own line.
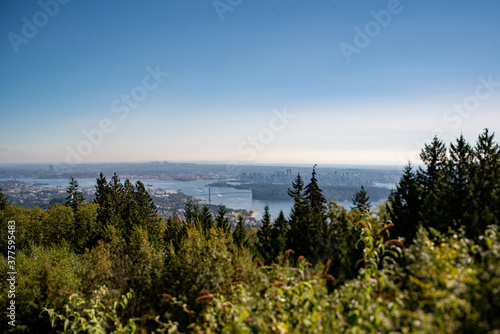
<point x="314" y="195"/>
<point x="240" y="233"/>
<point x="145" y="205"/>
<point x="317" y="203"/>
<point x="459" y="186"/>
<point x="308" y="221"/>
<point x="206" y="218"/>
<point x="459" y="192"/>
<point x="221" y="220"/>
<point x="126" y="206"/>
<point x="434" y="157"/>
<point x="361" y="200"/>
<point x="434" y="183"/>
<point x="4" y="202"/>
<point x="405" y="206"/>
<point x="191" y="212"/>
<point x="342" y="244"/>
<point x="278" y="235"/>
<point x="75" y="196"/>
<point x="485" y="184"/>
<point x="298" y="235"/>
<point x="264" y="245"/>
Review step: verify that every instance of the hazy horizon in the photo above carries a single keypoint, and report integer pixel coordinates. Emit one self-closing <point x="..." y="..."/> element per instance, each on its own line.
<point x="214" y="163"/>
<point x="257" y="82"/>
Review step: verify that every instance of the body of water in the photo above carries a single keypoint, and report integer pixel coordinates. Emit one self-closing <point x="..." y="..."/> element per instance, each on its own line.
<point x="230" y="197"/>
<point x="385" y="185"/>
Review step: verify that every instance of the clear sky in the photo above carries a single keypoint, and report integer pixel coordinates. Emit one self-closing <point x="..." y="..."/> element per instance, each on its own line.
<point x="364" y="82"/>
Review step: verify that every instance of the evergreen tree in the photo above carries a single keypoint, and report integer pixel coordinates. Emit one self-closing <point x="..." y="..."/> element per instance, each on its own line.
<point x="434" y="157"/>
<point x="314" y="195"/>
<point x="75" y="196"/>
<point x="361" y="200"/>
<point x="117" y="192"/>
<point x="206" y="218"/>
<point x="174" y="231"/>
<point x="434" y="182"/>
<point x="298" y="236"/>
<point x="4" y="202"/>
<point x="308" y="221"/>
<point x="459" y="192"/>
<point x="317" y="203"/>
<point x="109" y="196"/>
<point x="141" y="211"/>
<point x="278" y="235"/>
<point x="126" y="207"/>
<point x="264" y="245"/>
<point x="116" y="204"/>
<point x="405" y="205"/>
<point x="221" y="220"/>
<point x="145" y="205"/>
<point x="240" y="234"/>
<point x="342" y="246"/>
<point x="191" y="212"/>
<point x="299" y="208"/>
<point x="485" y="184"/>
<point x="129" y="215"/>
<point x="101" y="190"/>
<point x="101" y="198"/>
<point x="457" y="187"/>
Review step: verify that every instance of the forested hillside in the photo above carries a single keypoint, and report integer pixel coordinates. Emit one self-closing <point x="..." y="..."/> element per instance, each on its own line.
<point x="427" y="261"/>
<point x="272" y="192"/>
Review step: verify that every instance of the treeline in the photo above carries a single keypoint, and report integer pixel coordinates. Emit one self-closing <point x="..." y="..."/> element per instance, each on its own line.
<point x="118" y="241"/>
<point x="331" y="193"/>
<point x="459" y="187"/>
<point x="272" y="192"/>
<point x="115" y="265"/>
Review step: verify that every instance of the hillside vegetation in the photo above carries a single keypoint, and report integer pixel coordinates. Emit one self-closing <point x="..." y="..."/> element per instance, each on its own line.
<point x="427" y="261"/>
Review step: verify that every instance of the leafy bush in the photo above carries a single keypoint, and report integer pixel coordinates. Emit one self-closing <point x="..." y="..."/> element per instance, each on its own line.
<point x="192" y="276"/>
<point x="296" y="299"/>
<point x="29" y="227"/>
<point x="454" y="282"/>
<point x="95" y="316"/>
<point x="41" y="273"/>
<point x="204" y="261"/>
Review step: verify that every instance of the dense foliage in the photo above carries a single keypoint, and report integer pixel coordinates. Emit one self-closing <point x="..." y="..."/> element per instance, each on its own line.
<point x="115" y="265"/>
<point x="459" y="186"/>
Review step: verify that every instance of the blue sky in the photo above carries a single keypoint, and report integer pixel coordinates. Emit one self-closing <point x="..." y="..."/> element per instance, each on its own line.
<point x="269" y="82"/>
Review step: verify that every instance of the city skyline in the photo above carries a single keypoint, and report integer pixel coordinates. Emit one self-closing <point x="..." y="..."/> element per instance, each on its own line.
<point x="244" y="82"/>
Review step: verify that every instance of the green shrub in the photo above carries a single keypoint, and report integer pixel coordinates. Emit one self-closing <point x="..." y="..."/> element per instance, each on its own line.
<point x="296" y="299"/>
<point x="99" y="316"/>
<point x="41" y="273"/>
<point x="205" y="260"/>
<point x="29" y="227"/>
